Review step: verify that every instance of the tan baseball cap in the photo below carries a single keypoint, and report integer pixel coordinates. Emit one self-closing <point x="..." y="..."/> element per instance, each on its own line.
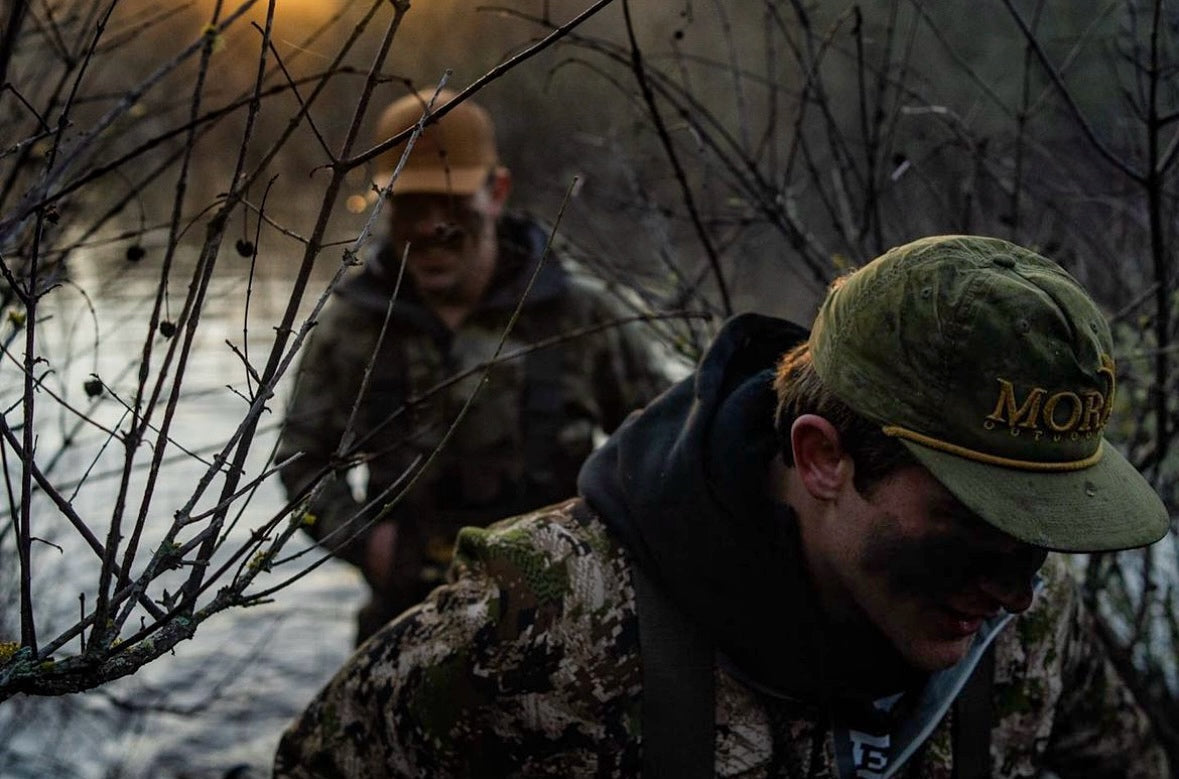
<point x="454" y="155"/>
<point x="995" y="369"/>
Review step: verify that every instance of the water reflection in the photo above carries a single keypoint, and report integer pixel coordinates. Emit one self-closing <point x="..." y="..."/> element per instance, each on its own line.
<point x="220" y="700"/>
<point x="219" y="703"/>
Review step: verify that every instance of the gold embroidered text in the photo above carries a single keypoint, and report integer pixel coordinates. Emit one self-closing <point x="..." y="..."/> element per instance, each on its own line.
<point x="1085" y="411"/>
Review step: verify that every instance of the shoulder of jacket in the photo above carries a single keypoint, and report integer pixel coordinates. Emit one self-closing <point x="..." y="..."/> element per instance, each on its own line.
<point x="550" y="533"/>
<point x="558" y="553"/>
<point x="338" y="315"/>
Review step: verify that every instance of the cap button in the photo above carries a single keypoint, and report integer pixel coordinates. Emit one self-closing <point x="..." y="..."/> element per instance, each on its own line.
<point x="1004" y="261"/>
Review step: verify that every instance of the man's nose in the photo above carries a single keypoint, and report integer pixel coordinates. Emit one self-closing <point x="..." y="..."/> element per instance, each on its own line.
<point x="1011" y="591"/>
<point x="431" y="223"/>
<point x="1010" y="579"/>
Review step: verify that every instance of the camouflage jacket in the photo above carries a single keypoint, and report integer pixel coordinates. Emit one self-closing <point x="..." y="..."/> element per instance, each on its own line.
<point x="528" y="664"/>
<point x="521" y="438"/>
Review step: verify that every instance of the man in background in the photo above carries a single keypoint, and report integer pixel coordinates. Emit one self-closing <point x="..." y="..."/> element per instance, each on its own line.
<point x="825" y="554"/>
<point x="395" y="380"/>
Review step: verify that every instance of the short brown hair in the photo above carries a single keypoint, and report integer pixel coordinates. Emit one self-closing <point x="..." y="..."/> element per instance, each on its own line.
<point x="800" y="391"/>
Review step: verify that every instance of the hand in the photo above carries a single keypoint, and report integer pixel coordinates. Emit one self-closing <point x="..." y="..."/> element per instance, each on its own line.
<point x="379" y="555"/>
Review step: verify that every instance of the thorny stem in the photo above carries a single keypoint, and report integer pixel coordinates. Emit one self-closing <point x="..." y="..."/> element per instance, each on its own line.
<point x="63" y="505"/>
<point x="205" y="121"/>
<point x="639" y="69"/>
<point x="28" y="630"/>
<point x="251" y="374"/>
<point x="491" y="75"/>
<point x="735" y="71"/>
<point x="874" y="134"/>
<point x="1021" y="121"/>
<point x="362" y="392"/>
<point x="1066" y="94"/>
<point x="1158" y="248"/>
<point x="32" y="294"/>
<point x="868" y="215"/>
<point x="138" y="425"/>
<point x="194" y="304"/>
<point x="266" y="385"/>
<point x="800" y="152"/>
<point x="12" y="29"/>
<point x="270" y="374"/>
<point x="37" y="196"/>
<point x="190" y="317"/>
<point x="761" y="190"/>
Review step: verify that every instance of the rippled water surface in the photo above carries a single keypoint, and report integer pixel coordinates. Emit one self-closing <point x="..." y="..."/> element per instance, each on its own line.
<point x="220" y="700"/>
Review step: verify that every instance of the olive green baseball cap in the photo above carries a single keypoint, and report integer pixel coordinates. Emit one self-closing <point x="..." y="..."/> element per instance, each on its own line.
<point x="994" y="368"/>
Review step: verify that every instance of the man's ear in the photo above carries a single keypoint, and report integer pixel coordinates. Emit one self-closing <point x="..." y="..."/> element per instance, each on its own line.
<point x="820" y="462"/>
<point x="499" y="189"/>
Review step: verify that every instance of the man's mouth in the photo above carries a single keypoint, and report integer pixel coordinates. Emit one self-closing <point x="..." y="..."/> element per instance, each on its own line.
<point x="431" y="258"/>
<point x="959" y="624"/>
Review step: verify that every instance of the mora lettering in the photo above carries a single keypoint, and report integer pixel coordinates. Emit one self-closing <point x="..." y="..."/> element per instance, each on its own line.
<point x="1060" y="412"/>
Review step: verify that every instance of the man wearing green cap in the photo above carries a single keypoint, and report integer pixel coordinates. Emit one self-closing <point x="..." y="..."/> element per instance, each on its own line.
<point x="387" y="384"/>
<point x="824" y="554"/>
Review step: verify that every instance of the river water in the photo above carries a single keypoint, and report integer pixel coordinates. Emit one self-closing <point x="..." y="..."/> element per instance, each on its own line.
<point x="218" y="702"/>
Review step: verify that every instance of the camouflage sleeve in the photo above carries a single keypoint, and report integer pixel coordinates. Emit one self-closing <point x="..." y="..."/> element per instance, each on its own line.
<point x="523" y="665"/>
<point x="1099" y="730"/>
<point x="312" y="429"/>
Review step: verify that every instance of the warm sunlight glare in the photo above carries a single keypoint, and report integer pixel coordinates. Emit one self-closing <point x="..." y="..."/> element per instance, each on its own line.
<point x="287" y="13"/>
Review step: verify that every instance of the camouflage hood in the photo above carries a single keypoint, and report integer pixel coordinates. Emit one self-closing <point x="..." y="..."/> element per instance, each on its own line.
<point x="683" y="486"/>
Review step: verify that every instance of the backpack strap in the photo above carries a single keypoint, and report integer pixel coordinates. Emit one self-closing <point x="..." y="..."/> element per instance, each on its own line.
<point x="679" y="696"/>
<point x="973" y="716"/>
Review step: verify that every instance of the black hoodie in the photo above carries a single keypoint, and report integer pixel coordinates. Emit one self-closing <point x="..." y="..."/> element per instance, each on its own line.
<point x="683" y="486"/>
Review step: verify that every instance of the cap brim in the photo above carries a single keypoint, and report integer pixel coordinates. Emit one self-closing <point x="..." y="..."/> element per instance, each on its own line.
<point x="435" y="181"/>
<point x="1105" y="507"/>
